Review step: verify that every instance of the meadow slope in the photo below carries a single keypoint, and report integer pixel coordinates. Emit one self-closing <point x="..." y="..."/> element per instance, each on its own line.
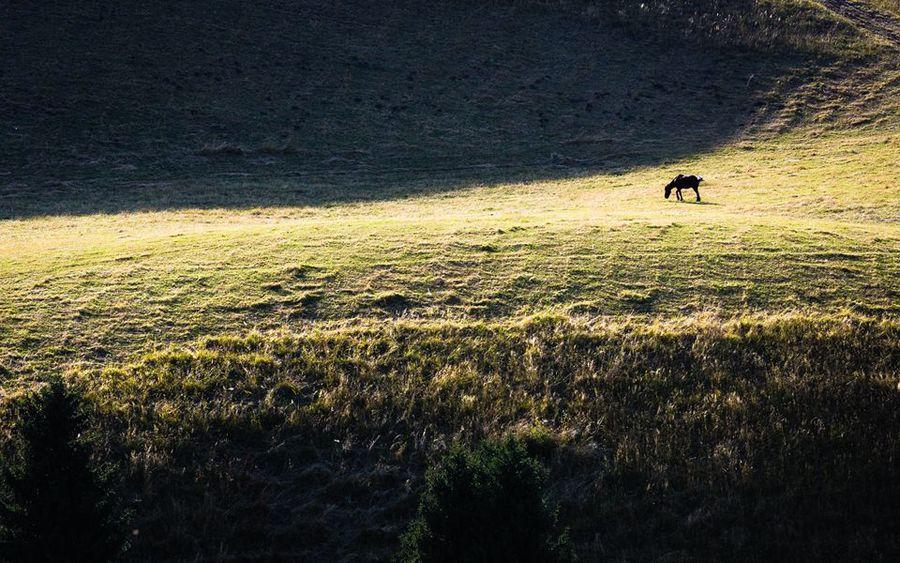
<point x="291" y="251"/>
<point x="772" y="437"/>
<point x="806" y="223"/>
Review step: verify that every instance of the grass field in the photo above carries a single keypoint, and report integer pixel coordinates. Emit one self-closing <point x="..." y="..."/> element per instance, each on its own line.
<point x="291" y="251"/>
<point x="765" y="436"/>
<point x="800" y="222"/>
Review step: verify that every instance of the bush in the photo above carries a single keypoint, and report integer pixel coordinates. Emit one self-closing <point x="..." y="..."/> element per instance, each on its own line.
<point x="486" y="505"/>
<point x="54" y="504"/>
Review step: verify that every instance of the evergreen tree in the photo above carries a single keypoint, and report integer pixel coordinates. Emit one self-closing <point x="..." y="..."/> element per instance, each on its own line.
<point x="55" y="504"/>
<point x="486" y="505"/>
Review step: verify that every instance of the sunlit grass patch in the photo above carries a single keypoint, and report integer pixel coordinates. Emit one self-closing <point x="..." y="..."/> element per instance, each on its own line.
<point x="797" y="223"/>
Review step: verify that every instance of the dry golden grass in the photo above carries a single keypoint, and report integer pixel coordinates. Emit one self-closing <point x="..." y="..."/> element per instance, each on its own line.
<point x="716" y="440"/>
<point x="801" y="222"/>
<point x="288" y="283"/>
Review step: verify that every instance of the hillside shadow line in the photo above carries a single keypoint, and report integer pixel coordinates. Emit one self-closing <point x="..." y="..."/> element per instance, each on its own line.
<point x="168" y="108"/>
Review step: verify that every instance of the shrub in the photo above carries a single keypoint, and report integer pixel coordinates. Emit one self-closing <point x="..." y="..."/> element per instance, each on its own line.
<point x="486" y="505"/>
<point x="54" y="504"/>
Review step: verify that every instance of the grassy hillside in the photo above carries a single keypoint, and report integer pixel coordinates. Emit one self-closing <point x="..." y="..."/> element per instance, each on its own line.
<point x="292" y="250"/>
<point x="129" y="94"/>
<point x="170" y="176"/>
<point x="773" y="437"/>
<point x="802" y="223"/>
<point x="762" y="25"/>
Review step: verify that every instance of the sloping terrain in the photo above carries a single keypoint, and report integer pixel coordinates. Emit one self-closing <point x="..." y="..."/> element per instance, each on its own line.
<point x="759" y="438"/>
<point x="291" y="250"/>
<point x="802" y="224"/>
<point x="172" y="171"/>
<point x="121" y="99"/>
<point x="885" y="24"/>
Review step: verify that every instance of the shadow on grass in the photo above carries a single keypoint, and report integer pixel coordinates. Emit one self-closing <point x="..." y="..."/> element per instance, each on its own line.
<point x="714" y="443"/>
<point x="703" y="203"/>
<point x="118" y="108"/>
<point x="299" y="492"/>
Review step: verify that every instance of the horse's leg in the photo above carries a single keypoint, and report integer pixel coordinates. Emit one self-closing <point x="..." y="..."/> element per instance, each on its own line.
<point x="678" y="193"/>
<point x="697" y="191"/>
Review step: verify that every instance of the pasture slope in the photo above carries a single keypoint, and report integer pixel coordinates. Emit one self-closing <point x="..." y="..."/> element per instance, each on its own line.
<point x="291" y="251"/>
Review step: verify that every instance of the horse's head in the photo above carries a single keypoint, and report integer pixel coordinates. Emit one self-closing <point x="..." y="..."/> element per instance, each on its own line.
<point x="671" y="185"/>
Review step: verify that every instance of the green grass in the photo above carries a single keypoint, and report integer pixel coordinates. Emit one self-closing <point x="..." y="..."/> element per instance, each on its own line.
<point x="122" y="98"/>
<point x="764" y="25"/>
<point x="288" y="283"/>
<point x="888" y="6"/>
<point x="800" y="222"/>
<point x="760" y="436"/>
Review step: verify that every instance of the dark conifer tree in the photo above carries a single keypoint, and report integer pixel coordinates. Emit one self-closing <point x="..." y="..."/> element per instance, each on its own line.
<point x="55" y="504"/>
<point x="486" y="505"/>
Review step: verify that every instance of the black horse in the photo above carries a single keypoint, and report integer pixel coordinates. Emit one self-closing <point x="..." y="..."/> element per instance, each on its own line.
<point x="682" y="182"/>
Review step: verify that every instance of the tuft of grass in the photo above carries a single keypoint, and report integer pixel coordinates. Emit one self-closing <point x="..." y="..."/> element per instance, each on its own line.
<point x="391" y="301"/>
<point x="888" y="6"/>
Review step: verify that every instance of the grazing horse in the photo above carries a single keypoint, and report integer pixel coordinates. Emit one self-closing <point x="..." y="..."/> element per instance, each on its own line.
<point x="682" y="182"/>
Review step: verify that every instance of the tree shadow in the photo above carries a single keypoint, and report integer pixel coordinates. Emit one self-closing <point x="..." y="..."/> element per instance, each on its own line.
<point x="122" y="108"/>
